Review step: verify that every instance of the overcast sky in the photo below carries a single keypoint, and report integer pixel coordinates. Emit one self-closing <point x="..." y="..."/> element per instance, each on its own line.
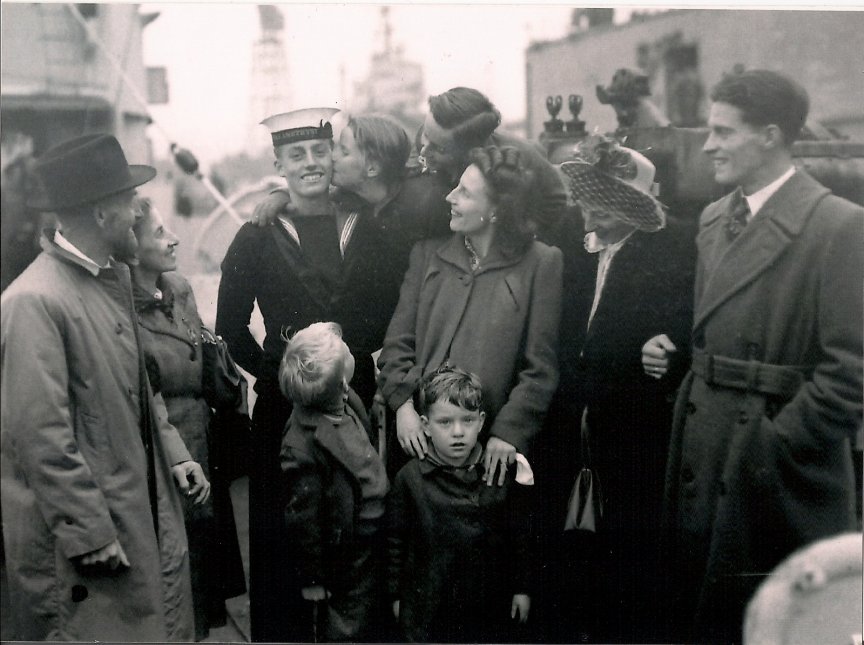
<point x="207" y="49"/>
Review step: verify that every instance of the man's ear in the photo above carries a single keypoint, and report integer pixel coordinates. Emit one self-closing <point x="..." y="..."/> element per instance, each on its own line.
<point x="773" y="137"/>
<point x="278" y="166"/>
<point x="424" y="423"/>
<point x="482" y="417"/>
<point x="100" y="214"/>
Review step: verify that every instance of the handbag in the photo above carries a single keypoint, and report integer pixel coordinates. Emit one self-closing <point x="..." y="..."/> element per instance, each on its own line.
<point x="223" y="385"/>
<point x="585" y="508"/>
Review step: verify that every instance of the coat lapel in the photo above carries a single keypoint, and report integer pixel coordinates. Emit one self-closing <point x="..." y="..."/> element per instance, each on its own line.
<point x="731" y="266"/>
<point x="453" y="252"/>
<point x="291" y="253"/>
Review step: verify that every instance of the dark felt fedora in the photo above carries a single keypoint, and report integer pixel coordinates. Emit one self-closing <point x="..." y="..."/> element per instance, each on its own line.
<point x="83" y="170"/>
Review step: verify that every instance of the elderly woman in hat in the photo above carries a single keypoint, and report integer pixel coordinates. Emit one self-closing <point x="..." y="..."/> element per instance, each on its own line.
<point x="642" y="286"/>
<point x="486" y="299"/>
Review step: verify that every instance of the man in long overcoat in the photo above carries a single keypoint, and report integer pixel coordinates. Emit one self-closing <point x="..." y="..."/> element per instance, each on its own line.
<point x="760" y="459"/>
<point x="93" y="526"/>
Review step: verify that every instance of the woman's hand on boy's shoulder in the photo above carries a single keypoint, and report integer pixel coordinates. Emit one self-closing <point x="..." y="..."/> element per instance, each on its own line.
<point x="497" y="456"/>
<point x="409" y="431"/>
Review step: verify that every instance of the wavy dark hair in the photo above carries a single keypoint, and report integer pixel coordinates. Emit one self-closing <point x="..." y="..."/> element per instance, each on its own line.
<point x="450" y="384"/>
<point x="507" y="182"/>
<point x="764" y="98"/>
<point x="467" y="113"/>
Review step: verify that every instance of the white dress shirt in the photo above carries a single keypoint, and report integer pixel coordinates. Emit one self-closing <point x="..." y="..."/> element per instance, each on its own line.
<point x="607" y="251"/>
<point x="66" y="245"/>
<point x="757" y="200"/>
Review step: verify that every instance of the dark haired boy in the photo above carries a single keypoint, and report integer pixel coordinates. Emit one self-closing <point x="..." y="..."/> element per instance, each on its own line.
<point x="461" y="564"/>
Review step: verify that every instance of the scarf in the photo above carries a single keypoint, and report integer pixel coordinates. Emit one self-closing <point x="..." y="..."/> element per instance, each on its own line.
<point x="146" y="301"/>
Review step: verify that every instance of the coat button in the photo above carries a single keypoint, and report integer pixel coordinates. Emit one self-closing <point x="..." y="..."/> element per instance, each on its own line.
<point x="69" y="521"/>
<point x="743" y="419"/>
<point x="119" y="328"/>
<point x="79" y="593"/>
<point x="687" y="474"/>
<point x="691" y="407"/>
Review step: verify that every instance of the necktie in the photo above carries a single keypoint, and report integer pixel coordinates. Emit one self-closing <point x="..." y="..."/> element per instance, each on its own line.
<point x="739" y="212"/>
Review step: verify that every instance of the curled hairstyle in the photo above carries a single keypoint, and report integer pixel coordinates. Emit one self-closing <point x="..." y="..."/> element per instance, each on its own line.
<point x="468" y="114"/>
<point x="765" y="98"/>
<point x="451" y="385"/>
<point x="382" y="139"/>
<point x="313" y="365"/>
<point x="507" y="184"/>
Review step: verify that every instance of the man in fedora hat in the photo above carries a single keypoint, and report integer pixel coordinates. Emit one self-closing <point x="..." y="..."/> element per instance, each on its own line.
<point x="640" y="281"/>
<point x="92" y="522"/>
<point x="759" y="461"/>
<point x="321" y="262"/>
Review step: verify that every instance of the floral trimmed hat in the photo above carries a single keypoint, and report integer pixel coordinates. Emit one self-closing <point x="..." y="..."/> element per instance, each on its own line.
<point x="607" y="176"/>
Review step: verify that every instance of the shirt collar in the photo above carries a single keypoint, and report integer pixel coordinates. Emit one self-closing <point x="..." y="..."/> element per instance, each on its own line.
<point x="757" y="200"/>
<point x="312" y="417"/>
<point x="433" y="460"/>
<point x="90" y="264"/>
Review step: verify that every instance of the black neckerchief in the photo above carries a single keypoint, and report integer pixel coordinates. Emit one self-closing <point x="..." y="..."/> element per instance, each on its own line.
<point x="146" y="301"/>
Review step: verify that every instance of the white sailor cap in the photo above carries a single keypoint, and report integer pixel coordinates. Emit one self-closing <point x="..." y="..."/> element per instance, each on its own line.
<point x="300" y="125"/>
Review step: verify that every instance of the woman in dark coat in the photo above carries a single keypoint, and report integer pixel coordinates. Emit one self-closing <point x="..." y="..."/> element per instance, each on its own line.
<point x="641" y="284"/>
<point x="171" y="337"/>
<point x="488" y="300"/>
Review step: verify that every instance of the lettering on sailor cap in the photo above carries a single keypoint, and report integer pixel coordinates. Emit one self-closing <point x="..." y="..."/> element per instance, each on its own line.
<point x="300" y="125"/>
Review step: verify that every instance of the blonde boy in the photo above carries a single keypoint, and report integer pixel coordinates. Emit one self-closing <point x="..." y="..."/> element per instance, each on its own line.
<point x="326" y="458"/>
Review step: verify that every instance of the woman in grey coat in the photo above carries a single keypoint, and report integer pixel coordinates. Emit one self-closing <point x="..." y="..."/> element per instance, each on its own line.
<point x="171" y="338"/>
<point x="487" y="299"/>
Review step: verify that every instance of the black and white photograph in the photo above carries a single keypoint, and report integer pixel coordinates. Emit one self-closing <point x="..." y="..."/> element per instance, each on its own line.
<point x="421" y="322"/>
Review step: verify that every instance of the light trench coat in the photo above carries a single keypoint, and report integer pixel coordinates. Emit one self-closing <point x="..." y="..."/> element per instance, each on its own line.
<point x="74" y="466"/>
